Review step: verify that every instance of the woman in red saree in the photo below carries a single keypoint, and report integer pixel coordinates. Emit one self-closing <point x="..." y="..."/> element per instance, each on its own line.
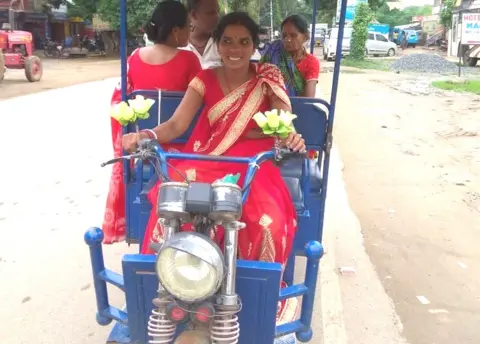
<point x="231" y="95"/>
<point x="159" y="67"/>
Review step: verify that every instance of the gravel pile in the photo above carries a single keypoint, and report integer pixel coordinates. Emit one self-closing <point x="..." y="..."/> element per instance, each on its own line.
<point x="424" y="63"/>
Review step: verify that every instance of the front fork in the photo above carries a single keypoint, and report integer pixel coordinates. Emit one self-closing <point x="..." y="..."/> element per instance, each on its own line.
<point x="160" y="328"/>
<point x="225" y="328"/>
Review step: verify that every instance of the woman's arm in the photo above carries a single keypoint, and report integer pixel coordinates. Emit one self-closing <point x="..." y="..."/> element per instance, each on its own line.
<point x="311" y="75"/>
<point x="174" y="127"/>
<point x="181" y="119"/>
<point x="310" y="89"/>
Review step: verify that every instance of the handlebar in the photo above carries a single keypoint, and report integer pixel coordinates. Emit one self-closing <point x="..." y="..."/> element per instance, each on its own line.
<point x="151" y="149"/>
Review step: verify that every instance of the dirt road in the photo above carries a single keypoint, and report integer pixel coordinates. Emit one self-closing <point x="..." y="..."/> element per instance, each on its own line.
<point x="58" y="74"/>
<point x="412" y="168"/>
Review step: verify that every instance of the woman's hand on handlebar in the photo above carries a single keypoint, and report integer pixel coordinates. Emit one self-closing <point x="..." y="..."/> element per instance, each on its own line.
<point x="130" y="141"/>
<point x="295" y="142"/>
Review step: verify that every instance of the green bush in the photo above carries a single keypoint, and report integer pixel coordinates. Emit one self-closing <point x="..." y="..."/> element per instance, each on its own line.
<point x="363" y="16"/>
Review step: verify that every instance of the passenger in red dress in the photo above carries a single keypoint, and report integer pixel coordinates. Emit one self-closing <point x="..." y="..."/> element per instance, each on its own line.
<point x="159" y="67"/>
<point x="299" y="68"/>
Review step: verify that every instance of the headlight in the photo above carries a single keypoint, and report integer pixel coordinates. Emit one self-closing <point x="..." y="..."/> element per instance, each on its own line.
<point x="190" y="267"/>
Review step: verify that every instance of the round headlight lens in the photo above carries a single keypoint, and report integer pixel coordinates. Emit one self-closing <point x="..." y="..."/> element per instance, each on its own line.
<point x="190" y="267"/>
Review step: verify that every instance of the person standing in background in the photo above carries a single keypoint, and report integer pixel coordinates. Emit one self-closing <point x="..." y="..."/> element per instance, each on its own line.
<point x="204" y="17"/>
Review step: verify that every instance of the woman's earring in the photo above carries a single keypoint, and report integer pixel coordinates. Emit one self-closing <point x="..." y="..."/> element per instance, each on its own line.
<point x="176" y="40"/>
<point x="192" y="27"/>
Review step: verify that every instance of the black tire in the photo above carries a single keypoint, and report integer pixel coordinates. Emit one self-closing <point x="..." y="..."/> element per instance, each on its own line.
<point x="48" y="53"/>
<point x="2" y="65"/>
<point x="472" y="62"/>
<point x="466" y="59"/>
<point x="324" y="55"/>
<point x="33" y="68"/>
<point x="391" y="52"/>
<point x="414" y="46"/>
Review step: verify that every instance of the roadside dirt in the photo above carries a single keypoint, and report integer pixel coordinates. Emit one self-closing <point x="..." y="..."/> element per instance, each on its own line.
<point x="58" y="74"/>
<point x="412" y="168"/>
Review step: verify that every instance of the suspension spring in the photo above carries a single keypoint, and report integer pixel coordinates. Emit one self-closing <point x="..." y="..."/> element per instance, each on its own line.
<point x="225" y="328"/>
<point x="160" y="328"/>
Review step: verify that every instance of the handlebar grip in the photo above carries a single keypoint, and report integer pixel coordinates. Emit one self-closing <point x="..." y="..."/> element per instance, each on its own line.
<point x="112" y="161"/>
<point x="286" y="153"/>
<point x="148" y="144"/>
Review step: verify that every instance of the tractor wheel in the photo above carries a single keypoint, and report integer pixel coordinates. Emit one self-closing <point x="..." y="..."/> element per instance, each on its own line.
<point x="2" y="65"/>
<point x="33" y="68"/>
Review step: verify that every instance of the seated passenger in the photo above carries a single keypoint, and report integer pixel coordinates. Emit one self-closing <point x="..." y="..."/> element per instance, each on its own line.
<point x="231" y="95"/>
<point x="299" y="68"/>
<point x="159" y="67"/>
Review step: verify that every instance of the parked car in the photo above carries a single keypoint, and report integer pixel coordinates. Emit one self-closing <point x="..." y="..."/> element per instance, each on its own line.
<point x="377" y="44"/>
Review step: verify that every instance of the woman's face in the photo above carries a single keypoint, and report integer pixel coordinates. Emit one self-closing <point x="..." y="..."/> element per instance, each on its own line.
<point x="236" y="47"/>
<point x="293" y="39"/>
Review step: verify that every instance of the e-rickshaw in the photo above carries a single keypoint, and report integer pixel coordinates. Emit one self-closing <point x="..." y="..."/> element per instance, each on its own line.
<point x="252" y="284"/>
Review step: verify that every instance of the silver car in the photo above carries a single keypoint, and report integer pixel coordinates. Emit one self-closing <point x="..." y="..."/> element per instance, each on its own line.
<point x="377" y="44"/>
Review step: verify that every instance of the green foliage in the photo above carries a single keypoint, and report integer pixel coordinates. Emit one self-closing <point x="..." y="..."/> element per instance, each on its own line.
<point x="376" y="64"/>
<point x="138" y="11"/>
<point x="471" y="86"/>
<point x="363" y="16"/>
<point x="375" y="5"/>
<point x="446" y="14"/>
<point x="251" y="7"/>
<point x="395" y="17"/>
<point x="82" y="8"/>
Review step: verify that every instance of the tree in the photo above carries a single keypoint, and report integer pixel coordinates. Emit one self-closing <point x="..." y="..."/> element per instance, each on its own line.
<point x="446" y="14"/>
<point x="363" y="16"/>
<point x="375" y="5"/>
<point x="395" y="17"/>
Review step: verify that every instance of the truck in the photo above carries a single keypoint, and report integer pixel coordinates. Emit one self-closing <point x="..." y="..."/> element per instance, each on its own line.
<point x="319" y="33"/>
<point x="384" y="29"/>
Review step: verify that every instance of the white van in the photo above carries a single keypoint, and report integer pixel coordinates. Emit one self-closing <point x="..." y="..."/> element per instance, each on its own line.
<point x="330" y="44"/>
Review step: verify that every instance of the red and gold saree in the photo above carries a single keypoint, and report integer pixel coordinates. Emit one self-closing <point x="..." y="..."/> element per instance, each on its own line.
<point x="269" y="213"/>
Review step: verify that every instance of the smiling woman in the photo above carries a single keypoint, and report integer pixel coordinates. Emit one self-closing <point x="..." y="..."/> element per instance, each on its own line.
<point x="232" y="95"/>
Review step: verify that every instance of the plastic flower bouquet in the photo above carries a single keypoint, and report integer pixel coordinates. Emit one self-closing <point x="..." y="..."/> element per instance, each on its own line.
<point x="275" y="122"/>
<point x="132" y="111"/>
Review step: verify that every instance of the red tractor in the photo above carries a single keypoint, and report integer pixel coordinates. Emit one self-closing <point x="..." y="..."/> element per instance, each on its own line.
<point x="16" y="53"/>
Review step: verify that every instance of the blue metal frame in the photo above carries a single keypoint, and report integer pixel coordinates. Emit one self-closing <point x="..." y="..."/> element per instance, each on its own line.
<point x="313" y="250"/>
<point x="129" y="328"/>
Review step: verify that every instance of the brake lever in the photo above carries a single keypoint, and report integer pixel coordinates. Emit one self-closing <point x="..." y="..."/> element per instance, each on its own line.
<point x="125" y="157"/>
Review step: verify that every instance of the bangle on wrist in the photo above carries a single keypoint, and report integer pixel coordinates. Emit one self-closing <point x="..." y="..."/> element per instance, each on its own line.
<point x="150" y="133"/>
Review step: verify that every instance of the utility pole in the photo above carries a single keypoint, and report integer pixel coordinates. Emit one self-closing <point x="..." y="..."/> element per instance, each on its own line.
<point x="271" y="20"/>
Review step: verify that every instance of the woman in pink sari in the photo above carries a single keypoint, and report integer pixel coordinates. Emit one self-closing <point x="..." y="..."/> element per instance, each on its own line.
<point x="232" y="94"/>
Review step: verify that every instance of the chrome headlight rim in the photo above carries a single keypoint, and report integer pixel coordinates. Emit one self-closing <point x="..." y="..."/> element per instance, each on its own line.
<point x="201" y="247"/>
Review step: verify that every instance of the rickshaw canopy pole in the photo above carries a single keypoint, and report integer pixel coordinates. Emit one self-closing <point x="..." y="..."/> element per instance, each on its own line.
<point x="123" y="47"/>
<point x="336" y="68"/>
<point x="314" y="22"/>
